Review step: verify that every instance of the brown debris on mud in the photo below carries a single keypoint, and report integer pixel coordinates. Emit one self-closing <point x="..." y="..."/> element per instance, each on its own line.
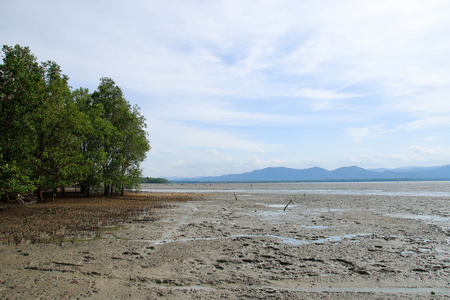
<point x="73" y="217"/>
<point x="325" y="246"/>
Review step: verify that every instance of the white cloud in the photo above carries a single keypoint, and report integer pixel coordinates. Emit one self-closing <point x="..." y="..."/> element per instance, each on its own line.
<point x="252" y="162"/>
<point x="419" y="150"/>
<point x="427" y="123"/>
<point x="164" y="151"/>
<point x="429" y="101"/>
<point x="177" y="164"/>
<point x="214" y="112"/>
<point x="360" y="134"/>
<point x="180" y="135"/>
<point x="428" y="156"/>
<point x="212" y="152"/>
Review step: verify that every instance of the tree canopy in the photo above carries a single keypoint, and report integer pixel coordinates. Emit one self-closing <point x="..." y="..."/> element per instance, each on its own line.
<point x="53" y="136"/>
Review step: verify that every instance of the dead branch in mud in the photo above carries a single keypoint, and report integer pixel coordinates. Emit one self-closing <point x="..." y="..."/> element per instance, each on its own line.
<point x="287" y="205"/>
<point x="304" y="195"/>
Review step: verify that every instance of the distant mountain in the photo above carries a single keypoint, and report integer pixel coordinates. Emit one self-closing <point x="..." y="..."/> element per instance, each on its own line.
<point x="344" y="173"/>
<point x="441" y="172"/>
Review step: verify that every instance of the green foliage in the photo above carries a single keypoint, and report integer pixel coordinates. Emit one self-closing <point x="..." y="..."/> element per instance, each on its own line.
<point x="21" y="80"/>
<point x="52" y="136"/>
<point x="123" y="138"/>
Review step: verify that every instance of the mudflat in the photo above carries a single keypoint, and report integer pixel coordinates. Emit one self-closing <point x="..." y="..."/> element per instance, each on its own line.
<point x="256" y="241"/>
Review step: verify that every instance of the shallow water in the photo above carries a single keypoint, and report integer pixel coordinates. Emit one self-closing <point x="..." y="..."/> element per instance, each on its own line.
<point x="301" y="192"/>
<point x="287" y="240"/>
<point x="442" y="221"/>
<point x="440" y="189"/>
<point x="421" y="217"/>
<point x="293" y="214"/>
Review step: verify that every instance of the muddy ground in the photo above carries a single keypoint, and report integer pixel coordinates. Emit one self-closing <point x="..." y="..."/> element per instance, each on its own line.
<point x="323" y="246"/>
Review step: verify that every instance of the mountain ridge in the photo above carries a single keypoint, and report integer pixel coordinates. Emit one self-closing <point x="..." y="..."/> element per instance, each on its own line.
<point x="340" y="174"/>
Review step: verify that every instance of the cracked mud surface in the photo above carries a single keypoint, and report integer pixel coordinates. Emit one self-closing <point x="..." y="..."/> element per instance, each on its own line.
<point x="323" y="246"/>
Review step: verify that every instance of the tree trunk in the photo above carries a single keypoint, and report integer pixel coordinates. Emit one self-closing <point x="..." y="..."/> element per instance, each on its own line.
<point x="87" y="190"/>
<point x="107" y="186"/>
<point x="41" y="197"/>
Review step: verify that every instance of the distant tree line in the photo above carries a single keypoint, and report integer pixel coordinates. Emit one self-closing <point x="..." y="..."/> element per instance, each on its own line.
<point x="52" y="136"/>
<point x="153" y="180"/>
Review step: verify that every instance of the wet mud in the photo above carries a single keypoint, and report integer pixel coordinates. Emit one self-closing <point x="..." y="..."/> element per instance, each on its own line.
<point x="241" y="241"/>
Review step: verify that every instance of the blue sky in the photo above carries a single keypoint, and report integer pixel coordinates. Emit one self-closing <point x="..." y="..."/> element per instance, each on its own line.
<point x="234" y="86"/>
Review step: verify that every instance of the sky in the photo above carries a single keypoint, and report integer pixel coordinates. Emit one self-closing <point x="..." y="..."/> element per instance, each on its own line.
<point x="234" y="86"/>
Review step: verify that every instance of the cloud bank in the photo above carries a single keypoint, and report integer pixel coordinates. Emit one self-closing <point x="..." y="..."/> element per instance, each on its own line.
<point x="230" y="86"/>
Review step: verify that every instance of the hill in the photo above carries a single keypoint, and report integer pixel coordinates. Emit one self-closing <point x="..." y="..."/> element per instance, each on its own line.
<point x="340" y="174"/>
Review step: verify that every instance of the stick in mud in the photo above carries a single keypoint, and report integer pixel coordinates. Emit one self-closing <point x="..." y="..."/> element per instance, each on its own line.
<point x="235" y="196"/>
<point x="287" y="205"/>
